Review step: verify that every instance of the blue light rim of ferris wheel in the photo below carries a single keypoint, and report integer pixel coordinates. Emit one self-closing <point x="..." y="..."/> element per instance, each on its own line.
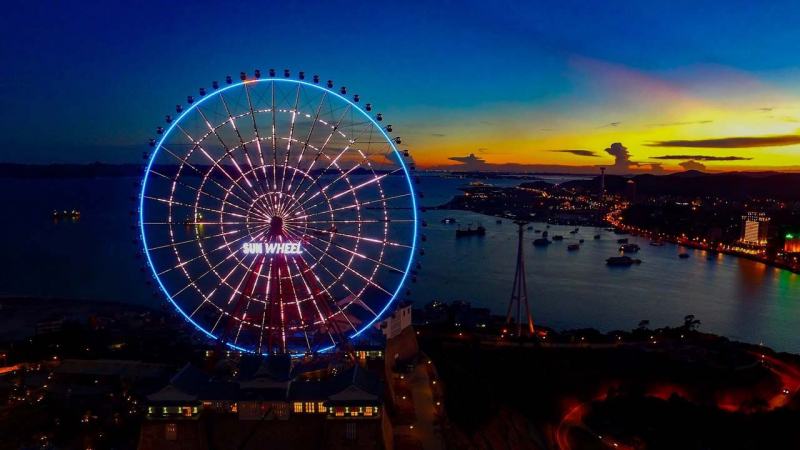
<point x="391" y="142"/>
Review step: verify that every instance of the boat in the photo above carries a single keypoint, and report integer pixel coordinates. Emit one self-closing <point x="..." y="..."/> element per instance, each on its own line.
<point x="541" y="242"/>
<point x="448" y="220"/>
<point x="469" y="231"/>
<point x="558" y="237"/>
<point x="597" y="236"/>
<point x="545" y="234"/>
<point x="530" y="228"/>
<point x="498" y="221"/>
<point x="657" y="243"/>
<point x="580" y="241"/>
<point x="575" y="231"/>
<point x="622" y="241"/>
<point x="573" y="247"/>
<point x="537" y="231"/>
<point x="683" y="255"/>
<point x="72" y="214"/>
<point x="622" y="261"/>
<point x="629" y="248"/>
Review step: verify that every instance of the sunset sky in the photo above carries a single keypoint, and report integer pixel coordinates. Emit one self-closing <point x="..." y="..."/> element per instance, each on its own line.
<point x="713" y="85"/>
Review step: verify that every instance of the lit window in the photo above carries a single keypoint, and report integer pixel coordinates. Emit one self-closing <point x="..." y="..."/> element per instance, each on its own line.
<point x="309" y="407"/>
<point x="339" y="411"/>
<point x="368" y="411"/>
<point x="298" y="407"/>
<point x="321" y="407"/>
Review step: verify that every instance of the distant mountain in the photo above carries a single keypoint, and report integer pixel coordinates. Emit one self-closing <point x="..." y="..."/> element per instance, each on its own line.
<point x="732" y="185"/>
<point x="97" y="170"/>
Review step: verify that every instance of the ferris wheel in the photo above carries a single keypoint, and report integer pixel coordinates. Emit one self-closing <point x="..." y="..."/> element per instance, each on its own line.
<point x="277" y="214"/>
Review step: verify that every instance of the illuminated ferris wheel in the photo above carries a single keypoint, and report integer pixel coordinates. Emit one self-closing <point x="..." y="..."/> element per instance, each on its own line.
<point x="277" y="215"/>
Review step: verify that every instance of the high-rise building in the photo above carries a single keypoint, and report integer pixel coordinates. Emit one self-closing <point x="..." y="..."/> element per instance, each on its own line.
<point x="755" y="226"/>
<point x="791" y="243"/>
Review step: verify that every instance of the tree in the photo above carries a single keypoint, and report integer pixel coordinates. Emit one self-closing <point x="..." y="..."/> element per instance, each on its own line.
<point x="690" y="323"/>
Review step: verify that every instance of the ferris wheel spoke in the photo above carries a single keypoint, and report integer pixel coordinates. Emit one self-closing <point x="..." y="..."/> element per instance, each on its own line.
<point x="359" y="255"/>
<point x="264" y="310"/>
<point x="297" y="301"/>
<point x="363" y="221"/>
<point x="291" y="135"/>
<point x="216" y="164"/>
<point x="184" y="263"/>
<point x="321" y="149"/>
<point x="173" y="244"/>
<point x="175" y="202"/>
<point x="352" y="189"/>
<point x="353" y="271"/>
<point x="232" y="121"/>
<point x="213" y="129"/>
<point x="258" y="136"/>
<point x="274" y="140"/>
<point x="207" y="298"/>
<point x="199" y="191"/>
<point x="323" y="189"/>
<point x="200" y="172"/>
<point x="363" y="238"/>
<point x="325" y="289"/>
<point x="354" y="205"/>
<point x="308" y="138"/>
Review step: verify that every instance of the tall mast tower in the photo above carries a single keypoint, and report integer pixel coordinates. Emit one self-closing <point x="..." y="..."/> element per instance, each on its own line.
<point x="602" y="182"/>
<point x="519" y="293"/>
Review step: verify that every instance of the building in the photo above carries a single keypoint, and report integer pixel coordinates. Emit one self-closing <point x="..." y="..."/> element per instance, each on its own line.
<point x="396" y="322"/>
<point x="755" y="226"/>
<point x="321" y="403"/>
<point x="791" y="243"/>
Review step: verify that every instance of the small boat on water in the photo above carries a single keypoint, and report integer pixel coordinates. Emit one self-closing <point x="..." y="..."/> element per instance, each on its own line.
<point x="72" y="214"/>
<point x="448" y="220"/>
<point x="573" y="247"/>
<point x="622" y="261"/>
<point x="575" y="231"/>
<point x="683" y="255"/>
<point x="558" y="237"/>
<point x="541" y="242"/>
<point x="498" y="221"/>
<point x="545" y="234"/>
<point x="530" y="228"/>
<point x="580" y="241"/>
<point x="657" y="243"/>
<point x="629" y="248"/>
<point x="469" y="231"/>
<point x="622" y="241"/>
<point x="597" y="236"/>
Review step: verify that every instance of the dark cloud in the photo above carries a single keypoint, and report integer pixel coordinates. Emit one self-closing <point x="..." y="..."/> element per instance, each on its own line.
<point x="703" y="157"/>
<point x="675" y="124"/>
<point x="767" y="109"/>
<point x="589" y="153"/>
<point x="622" y="158"/>
<point x="733" y="142"/>
<point x="612" y="124"/>
<point x="692" y="165"/>
<point x="438" y="134"/>
<point x="623" y="163"/>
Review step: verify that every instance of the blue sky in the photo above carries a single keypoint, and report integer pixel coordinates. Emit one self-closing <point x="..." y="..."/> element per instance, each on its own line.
<point x="90" y="82"/>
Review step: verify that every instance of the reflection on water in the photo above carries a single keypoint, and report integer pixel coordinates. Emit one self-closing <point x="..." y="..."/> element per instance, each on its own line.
<point x="742" y="299"/>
